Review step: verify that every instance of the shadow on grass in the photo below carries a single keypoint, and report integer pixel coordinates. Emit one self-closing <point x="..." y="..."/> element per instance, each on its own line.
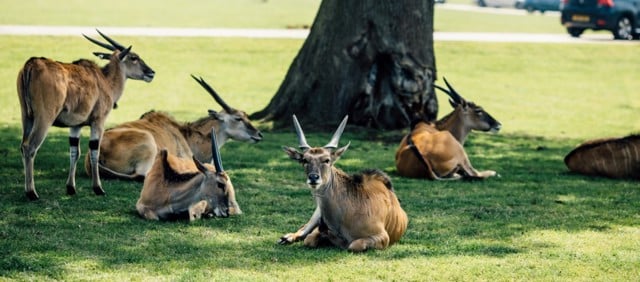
<point x="479" y="218"/>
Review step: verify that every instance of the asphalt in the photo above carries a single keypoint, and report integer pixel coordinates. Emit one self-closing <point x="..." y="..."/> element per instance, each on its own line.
<point x="293" y="34"/>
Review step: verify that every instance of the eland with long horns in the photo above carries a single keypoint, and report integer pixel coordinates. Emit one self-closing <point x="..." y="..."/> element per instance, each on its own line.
<point x="354" y="212"/>
<point x="435" y="151"/>
<point x="129" y="149"/>
<point x="73" y="95"/>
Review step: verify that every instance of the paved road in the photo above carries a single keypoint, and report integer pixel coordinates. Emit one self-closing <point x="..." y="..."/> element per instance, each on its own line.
<point x="605" y="38"/>
<point x="293" y="33"/>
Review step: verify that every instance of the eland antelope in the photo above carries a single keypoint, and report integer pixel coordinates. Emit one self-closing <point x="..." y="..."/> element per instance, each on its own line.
<point x="436" y="151"/>
<point x="73" y="95"/>
<point x="354" y="212"/>
<point x="128" y="150"/>
<point x="608" y="157"/>
<point x="175" y="186"/>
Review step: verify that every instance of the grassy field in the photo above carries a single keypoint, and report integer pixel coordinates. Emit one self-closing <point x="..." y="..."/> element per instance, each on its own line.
<point x="171" y="13"/>
<point x="535" y="222"/>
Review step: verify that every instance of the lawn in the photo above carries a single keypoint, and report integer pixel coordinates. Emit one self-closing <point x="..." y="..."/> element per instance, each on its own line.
<point x="535" y="222"/>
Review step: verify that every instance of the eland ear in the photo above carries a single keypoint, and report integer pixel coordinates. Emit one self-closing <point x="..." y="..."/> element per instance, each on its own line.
<point x="199" y="165"/>
<point x="452" y="103"/>
<point x="102" y="56"/>
<point x="292" y="153"/>
<point x="124" y="53"/>
<point x="215" y="114"/>
<point x="338" y="153"/>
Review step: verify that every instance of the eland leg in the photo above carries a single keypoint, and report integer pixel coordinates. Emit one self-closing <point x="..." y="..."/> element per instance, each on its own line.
<point x="74" y="155"/>
<point x="378" y="241"/>
<point x="33" y="135"/>
<point x="94" y="153"/>
<point x="471" y="173"/>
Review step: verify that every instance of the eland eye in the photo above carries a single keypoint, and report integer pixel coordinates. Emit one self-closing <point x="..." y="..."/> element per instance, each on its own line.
<point x="327" y="161"/>
<point x="221" y="185"/>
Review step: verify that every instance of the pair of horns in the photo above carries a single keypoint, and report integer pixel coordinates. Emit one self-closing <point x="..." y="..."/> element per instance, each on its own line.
<point x="112" y="46"/>
<point x="213" y="93"/>
<point x="451" y="92"/>
<point x="333" y="144"/>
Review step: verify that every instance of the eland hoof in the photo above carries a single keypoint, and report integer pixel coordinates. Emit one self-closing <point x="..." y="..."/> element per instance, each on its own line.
<point x="71" y="190"/>
<point x="32" y="195"/>
<point x="98" y="190"/>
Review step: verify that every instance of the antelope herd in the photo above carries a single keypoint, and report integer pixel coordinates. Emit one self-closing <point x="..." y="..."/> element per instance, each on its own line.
<point x="181" y="169"/>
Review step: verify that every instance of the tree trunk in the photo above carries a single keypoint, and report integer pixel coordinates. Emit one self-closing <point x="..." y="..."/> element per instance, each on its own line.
<point x="371" y="59"/>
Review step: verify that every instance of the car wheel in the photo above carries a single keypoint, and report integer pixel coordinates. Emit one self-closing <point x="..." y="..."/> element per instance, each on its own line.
<point x="624" y="29"/>
<point x="530" y="10"/>
<point x="481" y="3"/>
<point x="575" y="32"/>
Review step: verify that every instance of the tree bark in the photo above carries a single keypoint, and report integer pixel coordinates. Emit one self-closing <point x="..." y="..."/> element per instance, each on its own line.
<point x="371" y="59"/>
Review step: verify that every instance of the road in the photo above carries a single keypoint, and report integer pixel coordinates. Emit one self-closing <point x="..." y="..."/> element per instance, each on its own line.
<point x="294" y="34"/>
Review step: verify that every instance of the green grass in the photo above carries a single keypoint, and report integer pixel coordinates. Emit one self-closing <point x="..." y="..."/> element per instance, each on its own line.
<point x="452" y="20"/>
<point x="169" y="13"/>
<point x="535" y="222"/>
<point x="553" y="90"/>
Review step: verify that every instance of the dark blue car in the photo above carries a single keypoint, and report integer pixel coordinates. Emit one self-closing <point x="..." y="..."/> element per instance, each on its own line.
<point x="621" y="17"/>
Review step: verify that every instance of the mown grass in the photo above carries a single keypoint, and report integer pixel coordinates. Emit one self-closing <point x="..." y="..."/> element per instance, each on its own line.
<point x="554" y="90"/>
<point x="170" y="13"/>
<point x="535" y="222"/>
<point x="447" y="20"/>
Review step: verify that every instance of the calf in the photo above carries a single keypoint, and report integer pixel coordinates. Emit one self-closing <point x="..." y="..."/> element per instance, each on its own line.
<point x="354" y="212"/>
<point x="175" y="186"/>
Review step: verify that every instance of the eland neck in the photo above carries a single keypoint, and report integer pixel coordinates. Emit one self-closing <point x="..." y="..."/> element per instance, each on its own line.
<point x="455" y="125"/>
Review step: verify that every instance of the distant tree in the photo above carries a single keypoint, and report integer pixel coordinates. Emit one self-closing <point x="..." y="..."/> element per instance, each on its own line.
<point x="372" y="59"/>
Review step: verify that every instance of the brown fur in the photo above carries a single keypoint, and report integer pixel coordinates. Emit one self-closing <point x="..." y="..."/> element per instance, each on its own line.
<point x="356" y="213"/>
<point x="129" y="149"/>
<point x="71" y="95"/>
<point x="176" y="185"/>
<point x="609" y="157"/>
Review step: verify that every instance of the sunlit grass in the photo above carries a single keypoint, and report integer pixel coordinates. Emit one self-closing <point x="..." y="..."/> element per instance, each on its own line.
<point x="169" y="13"/>
<point x="453" y="20"/>
<point x="552" y="90"/>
